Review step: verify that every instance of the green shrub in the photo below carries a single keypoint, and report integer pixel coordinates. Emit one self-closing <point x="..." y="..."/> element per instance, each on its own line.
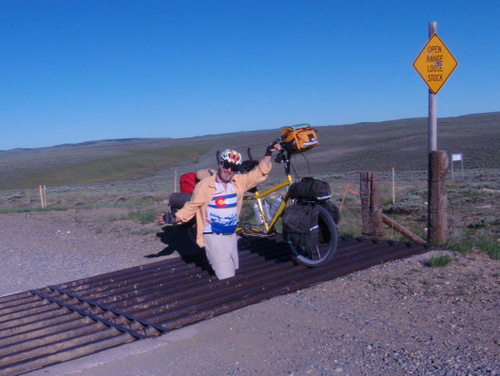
<point x="439" y="262"/>
<point x="490" y="246"/>
<point x="483" y="242"/>
<point x="142" y="216"/>
<point x="410" y="205"/>
<point x="462" y="245"/>
<point x="484" y="222"/>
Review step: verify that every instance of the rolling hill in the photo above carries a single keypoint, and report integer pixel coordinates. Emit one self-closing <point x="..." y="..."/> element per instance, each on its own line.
<point x="376" y="146"/>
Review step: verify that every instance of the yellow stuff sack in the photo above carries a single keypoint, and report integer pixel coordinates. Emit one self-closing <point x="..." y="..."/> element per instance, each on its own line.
<point x="299" y="138"/>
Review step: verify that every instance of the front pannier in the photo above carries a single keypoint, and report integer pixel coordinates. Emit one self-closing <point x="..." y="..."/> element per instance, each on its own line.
<point x="299" y="138"/>
<point x="300" y="226"/>
<point x="310" y="189"/>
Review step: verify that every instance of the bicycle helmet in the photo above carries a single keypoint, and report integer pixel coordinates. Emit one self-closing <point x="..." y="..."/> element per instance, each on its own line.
<point x="231" y="156"/>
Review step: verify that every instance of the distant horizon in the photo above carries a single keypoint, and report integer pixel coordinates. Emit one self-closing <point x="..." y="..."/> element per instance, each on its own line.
<point x="131" y="139"/>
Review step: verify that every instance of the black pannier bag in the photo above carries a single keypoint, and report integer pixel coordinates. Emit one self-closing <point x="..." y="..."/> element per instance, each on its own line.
<point x="300" y="225"/>
<point x="332" y="209"/>
<point x="310" y="189"/>
<point x="178" y="199"/>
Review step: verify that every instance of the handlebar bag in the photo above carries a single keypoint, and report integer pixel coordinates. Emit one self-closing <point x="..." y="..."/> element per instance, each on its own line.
<point x="310" y="189"/>
<point x="299" y="138"/>
<point x="300" y="225"/>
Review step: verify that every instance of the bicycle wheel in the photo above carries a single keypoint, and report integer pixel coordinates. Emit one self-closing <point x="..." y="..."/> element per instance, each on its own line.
<point x="326" y="246"/>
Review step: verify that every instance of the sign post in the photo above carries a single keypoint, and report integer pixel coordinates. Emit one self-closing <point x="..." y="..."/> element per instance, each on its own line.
<point x="435" y="64"/>
<point x="459" y="158"/>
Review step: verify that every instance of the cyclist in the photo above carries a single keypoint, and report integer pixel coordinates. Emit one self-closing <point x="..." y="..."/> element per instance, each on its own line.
<point x="216" y="204"/>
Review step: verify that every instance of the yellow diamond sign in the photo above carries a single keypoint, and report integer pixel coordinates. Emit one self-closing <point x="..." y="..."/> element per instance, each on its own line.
<point x="435" y="63"/>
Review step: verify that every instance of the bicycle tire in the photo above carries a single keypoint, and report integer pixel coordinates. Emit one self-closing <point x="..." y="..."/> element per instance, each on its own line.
<point x="326" y="247"/>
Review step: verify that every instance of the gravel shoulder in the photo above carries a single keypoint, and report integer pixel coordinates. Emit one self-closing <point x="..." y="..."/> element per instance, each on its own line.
<point x="399" y="318"/>
<point x="46" y="248"/>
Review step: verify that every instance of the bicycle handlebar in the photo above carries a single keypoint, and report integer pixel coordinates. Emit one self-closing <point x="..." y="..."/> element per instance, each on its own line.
<point x="277" y="141"/>
<point x="251" y="163"/>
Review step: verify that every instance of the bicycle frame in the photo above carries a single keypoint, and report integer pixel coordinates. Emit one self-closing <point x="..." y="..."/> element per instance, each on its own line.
<point x="257" y="196"/>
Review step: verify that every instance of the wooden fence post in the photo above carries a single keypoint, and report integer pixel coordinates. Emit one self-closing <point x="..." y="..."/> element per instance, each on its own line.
<point x="437" y="224"/>
<point x="371" y="208"/>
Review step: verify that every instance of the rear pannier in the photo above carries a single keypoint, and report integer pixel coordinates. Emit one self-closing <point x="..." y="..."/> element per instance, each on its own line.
<point x="300" y="225"/>
<point x="310" y="189"/>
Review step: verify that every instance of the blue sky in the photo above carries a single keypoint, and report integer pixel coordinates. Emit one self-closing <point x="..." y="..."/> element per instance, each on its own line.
<point x="74" y="71"/>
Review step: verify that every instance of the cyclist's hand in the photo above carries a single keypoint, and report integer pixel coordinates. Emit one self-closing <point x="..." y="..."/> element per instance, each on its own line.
<point x="277" y="147"/>
<point x="274" y="146"/>
<point x="166" y="219"/>
<point x="161" y="219"/>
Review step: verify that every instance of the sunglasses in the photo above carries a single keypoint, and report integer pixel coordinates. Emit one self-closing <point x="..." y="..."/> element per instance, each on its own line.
<point x="232" y="166"/>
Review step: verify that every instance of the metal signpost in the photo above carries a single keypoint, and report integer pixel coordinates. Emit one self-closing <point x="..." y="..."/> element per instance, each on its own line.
<point x="458" y="157"/>
<point x="435" y="64"/>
